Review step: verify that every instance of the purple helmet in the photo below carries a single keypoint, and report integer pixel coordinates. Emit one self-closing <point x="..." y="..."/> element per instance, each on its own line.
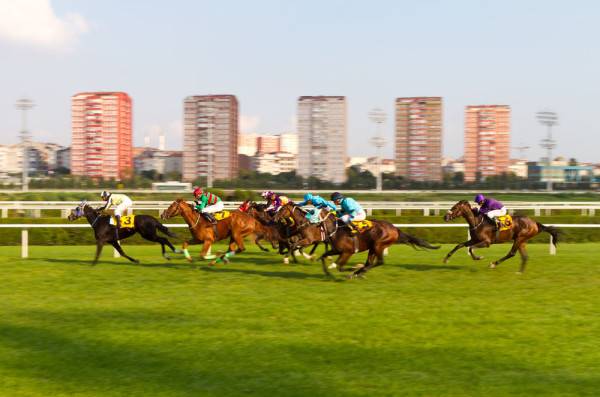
<point x="479" y="198"/>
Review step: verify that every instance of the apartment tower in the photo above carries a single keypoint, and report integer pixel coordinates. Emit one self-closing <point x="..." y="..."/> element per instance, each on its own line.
<point x="322" y="137"/>
<point x="101" y="135"/>
<point x="487" y="141"/>
<point x="418" y="149"/>
<point x="210" y="137"/>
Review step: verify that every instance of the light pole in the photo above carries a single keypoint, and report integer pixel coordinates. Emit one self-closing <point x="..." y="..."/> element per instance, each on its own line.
<point x="25" y="104"/>
<point x="549" y="119"/>
<point x="378" y="116"/>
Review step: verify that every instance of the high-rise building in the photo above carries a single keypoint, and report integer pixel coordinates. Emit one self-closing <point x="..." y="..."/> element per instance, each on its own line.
<point x="288" y="143"/>
<point x="322" y="137"/>
<point x="101" y="134"/>
<point x="210" y="137"/>
<point x="418" y="148"/>
<point x="487" y="141"/>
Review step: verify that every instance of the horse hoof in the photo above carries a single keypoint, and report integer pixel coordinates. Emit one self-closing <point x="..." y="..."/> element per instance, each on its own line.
<point x="332" y="266"/>
<point x="359" y="266"/>
<point x="212" y="263"/>
<point x="312" y="257"/>
<point x="478" y="258"/>
<point x="350" y="276"/>
<point x="138" y="262"/>
<point x="226" y="261"/>
<point x="491" y="266"/>
<point x="176" y="251"/>
<point x="190" y="260"/>
<point x="167" y="257"/>
<point x="286" y="261"/>
<point x="446" y="260"/>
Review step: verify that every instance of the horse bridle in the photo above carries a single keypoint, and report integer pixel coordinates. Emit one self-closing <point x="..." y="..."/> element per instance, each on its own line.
<point x="453" y="216"/>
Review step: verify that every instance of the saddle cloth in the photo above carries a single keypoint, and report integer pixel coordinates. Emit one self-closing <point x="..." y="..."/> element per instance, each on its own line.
<point x="126" y="221"/>
<point x="506" y="221"/>
<point x="219" y="216"/>
<point x="363" y="225"/>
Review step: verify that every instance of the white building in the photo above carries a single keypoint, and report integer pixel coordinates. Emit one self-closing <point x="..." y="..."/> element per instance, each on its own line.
<point x="162" y="162"/>
<point x="275" y="163"/>
<point x="288" y="142"/>
<point x="247" y="144"/>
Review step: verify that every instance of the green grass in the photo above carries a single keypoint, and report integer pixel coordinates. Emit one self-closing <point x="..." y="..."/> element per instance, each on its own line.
<point x="257" y="327"/>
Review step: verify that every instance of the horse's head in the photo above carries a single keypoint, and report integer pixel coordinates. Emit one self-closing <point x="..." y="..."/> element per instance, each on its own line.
<point x="317" y="215"/>
<point x="78" y="212"/>
<point x="285" y="211"/>
<point x="178" y="207"/>
<point x="459" y="209"/>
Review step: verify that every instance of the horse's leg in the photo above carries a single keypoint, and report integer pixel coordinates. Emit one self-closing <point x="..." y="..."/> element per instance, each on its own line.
<point x="257" y="242"/>
<point x="481" y="244"/>
<point x="342" y="261"/>
<point x="516" y="246"/>
<point x="233" y="241"/>
<point x="524" y="257"/>
<point x="459" y="246"/>
<point x="193" y="241"/>
<point x="370" y="263"/>
<point x="123" y="254"/>
<point x="99" y="246"/>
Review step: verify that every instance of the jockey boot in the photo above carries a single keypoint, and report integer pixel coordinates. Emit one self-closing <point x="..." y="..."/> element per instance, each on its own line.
<point x="212" y="219"/>
<point x="498" y="223"/>
<point x="118" y="221"/>
<point x="353" y="227"/>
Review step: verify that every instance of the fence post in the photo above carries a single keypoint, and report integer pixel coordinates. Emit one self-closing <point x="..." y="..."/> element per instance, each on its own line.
<point x="552" y="247"/>
<point x="24" y="243"/>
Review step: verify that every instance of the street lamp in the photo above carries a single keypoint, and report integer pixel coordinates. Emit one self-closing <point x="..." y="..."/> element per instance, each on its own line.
<point x="378" y="116"/>
<point x="24" y="104"/>
<point x="549" y="119"/>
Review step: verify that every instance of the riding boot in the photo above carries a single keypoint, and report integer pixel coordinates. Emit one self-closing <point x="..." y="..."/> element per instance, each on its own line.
<point x="118" y="220"/>
<point x="353" y="227"/>
<point x="212" y="219"/>
<point x="498" y="223"/>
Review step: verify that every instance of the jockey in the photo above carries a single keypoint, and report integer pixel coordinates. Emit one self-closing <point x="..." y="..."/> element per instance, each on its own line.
<point x="350" y="210"/>
<point x="207" y="203"/>
<point x="492" y="208"/>
<point x="316" y="201"/>
<point x="276" y="202"/>
<point x="121" y="201"/>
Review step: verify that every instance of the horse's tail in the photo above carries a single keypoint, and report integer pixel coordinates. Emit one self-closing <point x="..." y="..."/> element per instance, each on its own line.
<point x="554" y="231"/>
<point x="414" y="242"/>
<point x="165" y="230"/>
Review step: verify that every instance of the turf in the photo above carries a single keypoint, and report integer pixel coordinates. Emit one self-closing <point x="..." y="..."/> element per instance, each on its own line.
<point x="414" y="327"/>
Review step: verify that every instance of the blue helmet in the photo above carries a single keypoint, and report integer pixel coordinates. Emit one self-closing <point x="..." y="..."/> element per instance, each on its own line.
<point x="479" y="198"/>
<point x="336" y="195"/>
<point x="308" y="197"/>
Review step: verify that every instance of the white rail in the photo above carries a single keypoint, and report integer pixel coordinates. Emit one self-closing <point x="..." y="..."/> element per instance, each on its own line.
<point x="25" y="227"/>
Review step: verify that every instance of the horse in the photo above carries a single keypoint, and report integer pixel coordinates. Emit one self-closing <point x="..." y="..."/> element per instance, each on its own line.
<point x="484" y="234"/>
<point x="375" y="239"/>
<point x="145" y="225"/>
<point x="286" y="231"/>
<point x="237" y="226"/>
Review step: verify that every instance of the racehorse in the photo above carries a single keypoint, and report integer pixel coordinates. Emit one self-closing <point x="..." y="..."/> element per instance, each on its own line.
<point x="375" y="239"/>
<point x="286" y="230"/>
<point x="237" y="226"/>
<point x="145" y="225"/>
<point x="483" y="234"/>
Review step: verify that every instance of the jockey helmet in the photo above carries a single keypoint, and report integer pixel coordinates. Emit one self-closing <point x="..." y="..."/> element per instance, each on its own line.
<point x="265" y="193"/>
<point x="336" y="195"/>
<point x="104" y="194"/>
<point x="479" y="198"/>
<point x="198" y="192"/>
<point x="308" y="197"/>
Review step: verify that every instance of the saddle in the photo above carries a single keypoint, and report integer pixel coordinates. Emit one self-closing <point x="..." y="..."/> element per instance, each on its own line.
<point x="363" y="225"/>
<point x="505" y="221"/>
<point x="219" y="216"/>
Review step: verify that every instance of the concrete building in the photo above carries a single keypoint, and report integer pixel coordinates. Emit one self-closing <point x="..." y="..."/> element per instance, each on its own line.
<point x="487" y="140"/>
<point x="268" y="143"/>
<point x="288" y="143"/>
<point x="101" y="134"/>
<point x="322" y="131"/>
<point x="275" y="163"/>
<point x="210" y="142"/>
<point x="418" y="146"/>
<point x="247" y="144"/>
<point x="160" y="161"/>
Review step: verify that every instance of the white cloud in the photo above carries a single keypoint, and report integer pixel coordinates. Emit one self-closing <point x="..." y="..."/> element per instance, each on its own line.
<point x="248" y="124"/>
<point x="33" y="22"/>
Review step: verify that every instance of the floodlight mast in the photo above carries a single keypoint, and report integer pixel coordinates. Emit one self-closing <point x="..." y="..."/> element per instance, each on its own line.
<point x="378" y="116"/>
<point x="549" y="119"/>
<point x="24" y="104"/>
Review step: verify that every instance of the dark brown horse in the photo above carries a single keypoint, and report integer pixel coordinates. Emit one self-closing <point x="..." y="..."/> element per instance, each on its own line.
<point x="483" y="233"/>
<point x="237" y="226"/>
<point x="288" y="231"/>
<point x="145" y="225"/>
<point x="375" y="239"/>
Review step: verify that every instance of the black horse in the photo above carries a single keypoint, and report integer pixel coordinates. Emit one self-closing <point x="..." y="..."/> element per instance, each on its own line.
<point x="145" y="225"/>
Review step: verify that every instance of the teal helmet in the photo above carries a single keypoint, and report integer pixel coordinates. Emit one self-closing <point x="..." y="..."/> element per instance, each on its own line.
<point x="308" y="197"/>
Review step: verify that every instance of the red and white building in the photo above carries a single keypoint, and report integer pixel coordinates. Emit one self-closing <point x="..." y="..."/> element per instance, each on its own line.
<point x="101" y="134"/>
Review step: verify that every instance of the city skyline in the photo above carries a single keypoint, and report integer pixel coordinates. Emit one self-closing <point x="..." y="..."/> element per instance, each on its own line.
<point x="530" y="56"/>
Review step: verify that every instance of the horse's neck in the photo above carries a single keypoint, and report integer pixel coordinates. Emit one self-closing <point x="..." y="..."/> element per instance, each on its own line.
<point x="188" y="216"/>
<point x="469" y="216"/>
<point x="92" y="217"/>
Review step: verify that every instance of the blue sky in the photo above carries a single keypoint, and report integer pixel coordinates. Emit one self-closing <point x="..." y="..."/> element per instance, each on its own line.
<point x="532" y="55"/>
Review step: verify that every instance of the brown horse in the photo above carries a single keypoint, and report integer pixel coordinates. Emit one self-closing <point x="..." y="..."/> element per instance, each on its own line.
<point x="237" y="226"/>
<point x="374" y="239"/>
<point x="483" y="233"/>
<point x="288" y="231"/>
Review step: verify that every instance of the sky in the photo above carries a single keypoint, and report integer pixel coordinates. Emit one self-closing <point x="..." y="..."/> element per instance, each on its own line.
<point x="531" y="55"/>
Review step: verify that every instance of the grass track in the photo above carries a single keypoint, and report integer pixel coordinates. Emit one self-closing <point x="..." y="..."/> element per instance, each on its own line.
<point x="415" y="326"/>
